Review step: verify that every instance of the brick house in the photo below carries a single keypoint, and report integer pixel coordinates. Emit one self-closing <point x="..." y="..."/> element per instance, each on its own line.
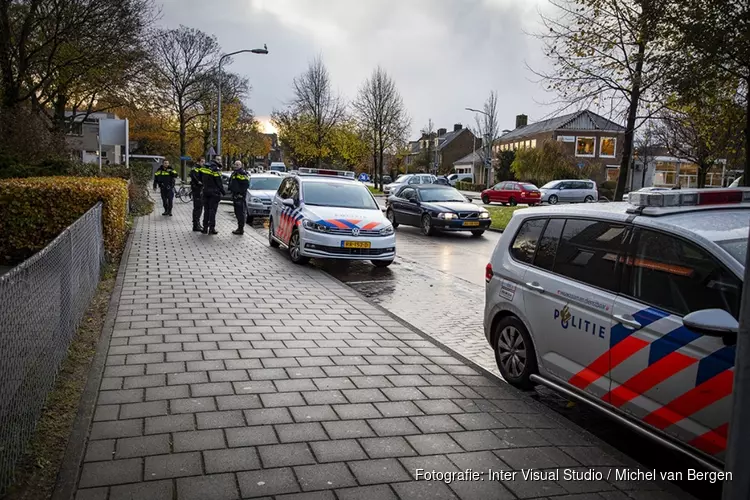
<point x="590" y="139"/>
<point x="451" y="147"/>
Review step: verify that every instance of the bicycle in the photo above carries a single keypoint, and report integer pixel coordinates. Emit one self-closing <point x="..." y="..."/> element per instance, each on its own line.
<point x="185" y="194"/>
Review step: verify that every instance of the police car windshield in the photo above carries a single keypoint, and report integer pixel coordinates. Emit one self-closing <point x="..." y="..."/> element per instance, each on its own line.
<point x="338" y="194"/>
<point x="438" y="195"/>
<point x="265" y="183"/>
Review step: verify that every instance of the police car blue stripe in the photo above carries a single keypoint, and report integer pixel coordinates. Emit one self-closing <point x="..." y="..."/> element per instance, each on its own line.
<point x="669" y="343"/>
<point x="715" y="363"/>
<point x="645" y="317"/>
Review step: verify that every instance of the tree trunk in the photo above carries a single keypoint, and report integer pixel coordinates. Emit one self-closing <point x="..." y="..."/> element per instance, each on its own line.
<point x="183" y="144"/>
<point x="61" y="102"/>
<point x="746" y="176"/>
<point x="702" y="174"/>
<point x="627" y="149"/>
<point x="380" y="162"/>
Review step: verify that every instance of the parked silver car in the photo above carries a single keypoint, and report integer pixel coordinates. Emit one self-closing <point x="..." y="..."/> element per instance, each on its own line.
<point x="260" y="194"/>
<point x="408" y="179"/>
<point x="569" y="191"/>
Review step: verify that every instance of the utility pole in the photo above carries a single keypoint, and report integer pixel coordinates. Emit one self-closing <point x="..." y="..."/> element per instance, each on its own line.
<point x="738" y="444"/>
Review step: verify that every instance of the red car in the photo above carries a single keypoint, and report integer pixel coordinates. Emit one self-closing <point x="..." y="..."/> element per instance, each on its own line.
<point x="512" y="193"/>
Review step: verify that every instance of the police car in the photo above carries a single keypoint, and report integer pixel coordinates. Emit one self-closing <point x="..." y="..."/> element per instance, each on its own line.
<point x="630" y="307"/>
<point x="329" y="214"/>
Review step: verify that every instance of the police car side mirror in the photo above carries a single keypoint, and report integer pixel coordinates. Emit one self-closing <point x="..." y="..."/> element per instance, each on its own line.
<point x="713" y="322"/>
<point x="288" y="202"/>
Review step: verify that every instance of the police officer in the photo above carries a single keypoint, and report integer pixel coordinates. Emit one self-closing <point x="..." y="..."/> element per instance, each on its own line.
<point x="164" y="177"/>
<point x="213" y="190"/>
<point x="239" y="182"/>
<point x="196" y="187"/>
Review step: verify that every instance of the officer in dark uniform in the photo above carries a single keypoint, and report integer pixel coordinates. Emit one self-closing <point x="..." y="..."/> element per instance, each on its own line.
<point x="164" y="178"/>
<point x="213" y="190"/>
<point x="196" y="187"/>
<point x="239" y="182"/>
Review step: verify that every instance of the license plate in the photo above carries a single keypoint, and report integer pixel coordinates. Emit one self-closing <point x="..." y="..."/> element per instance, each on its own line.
<point x="355" y="244"/>
<point x="471" y="223"/>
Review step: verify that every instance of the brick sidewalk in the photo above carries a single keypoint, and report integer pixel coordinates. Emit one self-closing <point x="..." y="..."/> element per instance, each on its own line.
<point x="232" y="373"/>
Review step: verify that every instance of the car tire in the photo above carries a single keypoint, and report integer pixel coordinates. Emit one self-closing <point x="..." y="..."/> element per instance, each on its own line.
<point x="552" y="200"/>
<point x="391" y="216"/>
<point x="512" y="202"/>
<point x="589" y="199"/>
<point x="381" y="263"/>
<point x="514" y="352"/>
<point x="295" y="250"/>
<point x="486" y="200"/>
<point x="249" y="220"/>
<point x="426" y="225"/>
<point x="271" y="241"/>
<point x="477" y="233"/>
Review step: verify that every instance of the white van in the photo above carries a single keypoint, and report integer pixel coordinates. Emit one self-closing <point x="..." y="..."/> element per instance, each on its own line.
<point x="277" y="166"/>
<point x="454" y="178"/>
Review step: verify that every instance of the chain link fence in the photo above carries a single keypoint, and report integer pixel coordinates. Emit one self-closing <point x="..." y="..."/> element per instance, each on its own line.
<point x="42" y="301"/>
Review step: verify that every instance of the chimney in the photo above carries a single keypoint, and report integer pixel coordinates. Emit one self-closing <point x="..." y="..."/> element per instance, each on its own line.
<point x="441" y="132"/>
<point x="457" y="127"/>
<point x="521" y="121"/>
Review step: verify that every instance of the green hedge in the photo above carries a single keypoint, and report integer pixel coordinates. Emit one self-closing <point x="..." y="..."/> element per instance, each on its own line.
<point x="467" y="186"/>
<point x="37" y="209"/>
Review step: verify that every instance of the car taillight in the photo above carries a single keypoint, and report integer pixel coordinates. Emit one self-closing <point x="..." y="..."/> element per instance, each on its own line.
<point x="488" y="273"/>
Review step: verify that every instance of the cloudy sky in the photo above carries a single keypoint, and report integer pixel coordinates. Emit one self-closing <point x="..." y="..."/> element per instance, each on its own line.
<point x="445" y="55"/>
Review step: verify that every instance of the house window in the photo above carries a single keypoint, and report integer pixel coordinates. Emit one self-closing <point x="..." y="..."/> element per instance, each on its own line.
<point x="607" y="147"/>
<point x="585" y="146"/>
<point x="76" y="128"/>
<point x="527" y="144"/>
<point x="533" y="143"/>
<point x="613" y="172"/>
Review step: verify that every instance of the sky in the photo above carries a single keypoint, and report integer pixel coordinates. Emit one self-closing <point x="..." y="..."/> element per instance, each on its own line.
<point x="444" y="55"/>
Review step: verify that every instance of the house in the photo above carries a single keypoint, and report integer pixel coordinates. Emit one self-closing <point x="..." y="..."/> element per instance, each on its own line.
<point x="657" y="167"/>
<point x="473" y="163"/>
<point x="82" y="139"/>
<point x="444" y="147"/>
<point x="589" y="138"/>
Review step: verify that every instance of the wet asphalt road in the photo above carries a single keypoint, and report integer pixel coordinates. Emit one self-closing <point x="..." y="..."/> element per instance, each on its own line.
<point x="437" y="285"/>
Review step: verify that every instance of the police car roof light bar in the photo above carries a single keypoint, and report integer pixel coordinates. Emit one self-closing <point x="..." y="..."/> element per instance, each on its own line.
<point x="690" y="197"/>
<point x="331" y="172"/>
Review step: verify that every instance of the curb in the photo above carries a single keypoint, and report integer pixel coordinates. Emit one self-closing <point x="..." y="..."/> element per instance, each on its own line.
<point x="70" y="468"/>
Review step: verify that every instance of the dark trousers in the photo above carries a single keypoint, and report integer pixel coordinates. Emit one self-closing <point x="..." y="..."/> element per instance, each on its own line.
<point x="240" y="210"/>
<point x="210" y="207"/>
<point x="167" y="197"/>
<point x="197" y="207"/>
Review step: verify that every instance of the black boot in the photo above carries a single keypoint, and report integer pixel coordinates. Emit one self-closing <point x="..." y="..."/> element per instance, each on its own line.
<point x="239" y="230"/>
<point x="204" y="230"/>
<point x="197" y="229"/>
<point x="213" y="231"/>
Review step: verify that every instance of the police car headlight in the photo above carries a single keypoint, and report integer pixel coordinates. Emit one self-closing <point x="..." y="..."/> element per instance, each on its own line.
<point x="256" y="201"/>
<point x="484" y="215"/>
<point x="387" y="230"/>
<point x="314" y="226"/>
<point x="447" y="216"/>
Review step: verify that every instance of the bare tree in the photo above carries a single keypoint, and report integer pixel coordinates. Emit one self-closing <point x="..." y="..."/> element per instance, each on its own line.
<point x="487" y="126"/>
<point x="428" y="135"/>
<point x="184" y="60"/>
<point x="645" y="147"/>
<point x="380" y="112"/>
<point x="315" y="97"/>
<point x="610" y="54"/>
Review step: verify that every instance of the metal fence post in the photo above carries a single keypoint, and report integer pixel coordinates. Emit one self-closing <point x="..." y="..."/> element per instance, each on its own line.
<point x="738" y="445"/>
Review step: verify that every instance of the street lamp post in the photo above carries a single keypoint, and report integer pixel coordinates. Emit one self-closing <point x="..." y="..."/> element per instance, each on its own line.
<point x="488" y="143"/>
<point x="264" y="51"/>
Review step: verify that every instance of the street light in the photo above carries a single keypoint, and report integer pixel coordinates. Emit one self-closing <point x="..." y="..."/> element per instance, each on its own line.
<point x="487" y="140"/>
<point x="262" y="51"/>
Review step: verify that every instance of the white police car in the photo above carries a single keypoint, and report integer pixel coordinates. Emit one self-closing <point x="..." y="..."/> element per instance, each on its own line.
<point x="328" y="214"/>
<point x="630" y="307"/>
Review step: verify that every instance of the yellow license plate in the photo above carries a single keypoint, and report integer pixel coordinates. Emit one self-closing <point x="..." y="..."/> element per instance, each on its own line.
<point x="471" y="223"/>
<point x="356" y="244"/>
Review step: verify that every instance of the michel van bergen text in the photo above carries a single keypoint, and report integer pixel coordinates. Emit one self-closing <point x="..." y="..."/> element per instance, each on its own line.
<point x="601" y="474"/>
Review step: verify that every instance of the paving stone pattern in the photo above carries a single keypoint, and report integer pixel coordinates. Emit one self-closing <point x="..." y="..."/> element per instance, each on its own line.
<point x="232" y="373"/>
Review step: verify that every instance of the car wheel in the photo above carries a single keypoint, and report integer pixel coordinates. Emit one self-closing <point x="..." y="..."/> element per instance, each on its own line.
<point x="477" y="233"/>
<point x="589" y="199"/>
<point x="295" y="249"/>
<point x="486" y="200"/>
<point x="391" y="217"/>
<point x="271" y="240"/>
<point x="250" y="220"/>
<point x="552" y="199"/>
<point x="381" y="263"/>
<point x="512" y="202"/>
<point x="514" y="352"/>
<point x="427" y="228"/>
